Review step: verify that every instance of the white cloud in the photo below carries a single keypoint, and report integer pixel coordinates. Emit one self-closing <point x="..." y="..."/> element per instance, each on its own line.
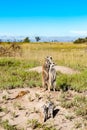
<point x="79" y="32"/>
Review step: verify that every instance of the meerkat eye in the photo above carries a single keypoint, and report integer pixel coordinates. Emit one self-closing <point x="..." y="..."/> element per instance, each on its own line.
<point x="51" y="57"/>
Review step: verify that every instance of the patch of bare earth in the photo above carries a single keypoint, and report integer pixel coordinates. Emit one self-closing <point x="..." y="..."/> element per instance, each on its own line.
<point x="20" y="110"/>
<point x="62" y="69"/>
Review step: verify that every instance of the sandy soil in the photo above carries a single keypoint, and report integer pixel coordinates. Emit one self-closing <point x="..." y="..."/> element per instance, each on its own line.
<point x="62" y="69"/>
<point x="19" y="111"/>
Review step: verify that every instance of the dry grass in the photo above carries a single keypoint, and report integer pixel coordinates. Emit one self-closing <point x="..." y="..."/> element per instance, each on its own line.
<point x="67" y="54"/>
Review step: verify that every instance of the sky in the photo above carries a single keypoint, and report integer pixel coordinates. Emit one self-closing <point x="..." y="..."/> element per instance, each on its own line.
<point x="43" y="17"/>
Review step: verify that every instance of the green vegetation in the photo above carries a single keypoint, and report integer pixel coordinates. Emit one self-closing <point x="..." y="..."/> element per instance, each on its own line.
<point x="37" y="39"/>
<point x="14" y="69"/>
<point x="34" y="124"/>
<point x="81" y="40"/>
<point x="78" y="103"/>
<point x="77" y="82"/>
<point x="13" y="74"/>
<point x="5" y="124"/>
<point x="26" y="40"/>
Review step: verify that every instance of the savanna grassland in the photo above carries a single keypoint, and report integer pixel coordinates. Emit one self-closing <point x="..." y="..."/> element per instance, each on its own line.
<point x="13" y="68"/>
<point x="70" y="97"/>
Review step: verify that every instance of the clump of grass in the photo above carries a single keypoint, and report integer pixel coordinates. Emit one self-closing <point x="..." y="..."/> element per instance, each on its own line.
<point x="37" y="96"/>
<point x="34" y="124"/>
<point x="5" y="124"/>
<point x="5" y="97"/>
<point x="4" y="109"/>
<point x="77" y="103"/>
<point x="69" y="117"/>
<point x="65" y="102"/>
<point x="66" y="105"/>
<point x="1" y="109"/>
<point x="62" y="82"/>
<point x="17" y="105"/>
<point x="48" y="128"/>
<point x="81" y="105"/>
<point x="77" y="82"/>
<point x="78" y="125"/>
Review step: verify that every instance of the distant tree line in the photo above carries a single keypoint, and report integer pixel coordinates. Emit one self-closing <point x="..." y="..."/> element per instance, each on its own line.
<point x="25" y="40"/>
<point x="80" y="40"/>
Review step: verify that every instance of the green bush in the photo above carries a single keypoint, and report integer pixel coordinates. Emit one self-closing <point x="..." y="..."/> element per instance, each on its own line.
<point x="80" y="40"/>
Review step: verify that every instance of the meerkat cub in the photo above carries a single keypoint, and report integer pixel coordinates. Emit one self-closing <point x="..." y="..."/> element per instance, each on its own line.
<point x="52" y="77"/>
<point x="50" y="109"/>
<point x="47" y="111"/>
<point x="44" y="113"/>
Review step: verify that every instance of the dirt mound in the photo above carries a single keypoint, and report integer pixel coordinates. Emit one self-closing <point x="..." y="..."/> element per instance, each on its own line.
<point x="27" y="107"/>
<point x="62" y="69"/>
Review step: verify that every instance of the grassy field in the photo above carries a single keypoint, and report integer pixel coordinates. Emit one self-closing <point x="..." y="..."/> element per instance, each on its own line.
<point x="13" y="69"/>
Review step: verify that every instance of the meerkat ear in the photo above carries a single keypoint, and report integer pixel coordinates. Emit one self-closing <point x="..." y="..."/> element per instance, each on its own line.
<point x="51" y="57"/>
<point x="54" y="63"/>
<point x="46" y="58"/>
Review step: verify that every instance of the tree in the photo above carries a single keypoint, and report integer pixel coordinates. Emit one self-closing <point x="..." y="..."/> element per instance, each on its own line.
<point x="26" y="39"/>
<point x="37" y="39"/>
<point x="81" y="40"/>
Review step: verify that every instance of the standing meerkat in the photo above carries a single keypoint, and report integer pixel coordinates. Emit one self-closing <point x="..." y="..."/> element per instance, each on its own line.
<point x="47" y="111"/>
<point x="50" y="106"/>
<point x="52" y="77"/>
<point x="45" y="71"/>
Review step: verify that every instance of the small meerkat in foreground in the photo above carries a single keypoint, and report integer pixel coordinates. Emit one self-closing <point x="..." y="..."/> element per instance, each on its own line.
<point x="22" y="93"/>
<point x="44" y="113"/>
<point x="47" y="111"/>
<point x="50" y="106"/>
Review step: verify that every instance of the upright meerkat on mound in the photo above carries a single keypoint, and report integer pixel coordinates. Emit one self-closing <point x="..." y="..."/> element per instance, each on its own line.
<point x="45" y="71"/>
<point x="52" y="77"/>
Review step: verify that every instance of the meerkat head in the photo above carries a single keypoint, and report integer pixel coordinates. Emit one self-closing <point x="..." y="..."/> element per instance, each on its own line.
<point x="48" y="60"/>
<point x="52" y="65"/>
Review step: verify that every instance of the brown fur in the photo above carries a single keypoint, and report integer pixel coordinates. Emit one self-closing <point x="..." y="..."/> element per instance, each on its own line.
<point x="21" y="94"/>
<point x="45" y="71"/>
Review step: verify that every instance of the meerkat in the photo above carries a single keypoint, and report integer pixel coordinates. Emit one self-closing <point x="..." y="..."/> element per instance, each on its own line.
<point x="44" y="113"/>
<point x="22" y="93"/>
<point x="45" y="71"/>
<point x="52" y="77"/>
<point x="50" y="106"/>
<point x="47" y="111"/>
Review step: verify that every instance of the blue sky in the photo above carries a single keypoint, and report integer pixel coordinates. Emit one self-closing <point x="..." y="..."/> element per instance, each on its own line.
<point x="43" y="17"/>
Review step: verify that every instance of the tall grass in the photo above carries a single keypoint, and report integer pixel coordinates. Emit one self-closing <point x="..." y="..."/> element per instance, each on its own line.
<point x="13" y="74"/>
<point x="66" y="54"/>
